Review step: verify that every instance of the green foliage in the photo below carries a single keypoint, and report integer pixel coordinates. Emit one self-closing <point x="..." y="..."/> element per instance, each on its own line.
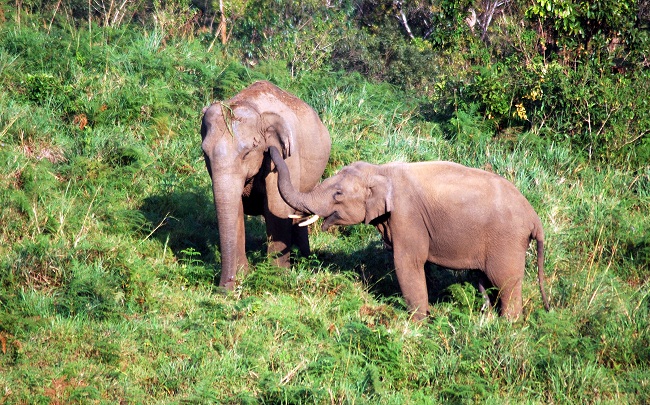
<point x="492" y="92"/>
<point x="593" y="111"/>
<point x="594" y="26"/>
<point x="302" y="33"/>
<point x="90" y="292"/>
<point x="108" y="237"/>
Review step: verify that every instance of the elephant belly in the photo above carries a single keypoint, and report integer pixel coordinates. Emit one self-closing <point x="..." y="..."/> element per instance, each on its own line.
<point x="456" y="258"/>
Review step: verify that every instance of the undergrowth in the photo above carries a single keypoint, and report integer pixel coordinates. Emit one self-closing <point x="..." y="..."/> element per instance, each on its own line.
<point x="108" y="247"/>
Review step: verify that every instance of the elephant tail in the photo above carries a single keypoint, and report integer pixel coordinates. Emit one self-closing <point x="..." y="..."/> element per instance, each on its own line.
<point x="540" y="269"/>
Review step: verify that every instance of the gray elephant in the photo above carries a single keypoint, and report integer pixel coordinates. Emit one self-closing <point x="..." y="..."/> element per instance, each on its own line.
<point x="236" y="135"/>
<point x="442" y="212"/>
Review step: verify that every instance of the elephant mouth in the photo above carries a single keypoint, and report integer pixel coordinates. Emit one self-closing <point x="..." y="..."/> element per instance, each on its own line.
<point x="308" y="220"/>
<point x="330" y="220"/>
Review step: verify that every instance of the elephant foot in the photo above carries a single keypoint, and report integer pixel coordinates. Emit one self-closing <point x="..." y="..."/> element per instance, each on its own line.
<point x="282" y="261"/>
<point x="419" y="316"/>
<point x="228" y="284"/>
<point x="225" y="289"/>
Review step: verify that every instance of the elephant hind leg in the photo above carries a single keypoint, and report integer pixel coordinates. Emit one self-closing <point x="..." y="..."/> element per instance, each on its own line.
<point x="511" y="301"/>
<point x="278" y="231"/>
<point x="507" y="276"/>
<point x="282" y="235"/>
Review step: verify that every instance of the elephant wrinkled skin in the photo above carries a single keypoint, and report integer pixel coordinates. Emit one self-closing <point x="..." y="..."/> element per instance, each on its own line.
<point x="235" y="137"/>
<point x="442" y="212"/>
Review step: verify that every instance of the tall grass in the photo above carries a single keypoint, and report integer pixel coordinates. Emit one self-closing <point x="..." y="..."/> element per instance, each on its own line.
<point x="108" y="249"/>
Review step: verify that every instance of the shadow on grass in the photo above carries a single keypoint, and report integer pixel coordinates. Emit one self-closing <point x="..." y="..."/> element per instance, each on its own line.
<point x="374" y="265"/>
<point x="186" y="223"/>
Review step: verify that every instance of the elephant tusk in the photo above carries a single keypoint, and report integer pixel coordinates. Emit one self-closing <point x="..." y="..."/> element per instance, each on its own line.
<point x="311" y="220"/>
<point x="294" y="216"/>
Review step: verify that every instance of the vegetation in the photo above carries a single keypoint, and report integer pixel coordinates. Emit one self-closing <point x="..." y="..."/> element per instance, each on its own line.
<point x="108" y="233"/>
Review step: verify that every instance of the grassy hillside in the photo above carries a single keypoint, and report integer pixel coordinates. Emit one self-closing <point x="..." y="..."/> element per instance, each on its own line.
<point x="108" y="246"/>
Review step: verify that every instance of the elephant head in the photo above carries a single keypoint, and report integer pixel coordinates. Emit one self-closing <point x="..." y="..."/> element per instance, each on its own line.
<point x="235" y="137"/>
<point x="358" y="193"/>
<point x="234" y="140"/>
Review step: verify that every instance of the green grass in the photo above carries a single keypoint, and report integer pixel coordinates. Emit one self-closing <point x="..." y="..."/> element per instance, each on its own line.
<point x="108" y="249"/>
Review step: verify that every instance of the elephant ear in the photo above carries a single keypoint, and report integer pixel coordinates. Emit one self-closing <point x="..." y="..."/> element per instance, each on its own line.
<point x="278" y="133"/>
<point x="380" y="200"/>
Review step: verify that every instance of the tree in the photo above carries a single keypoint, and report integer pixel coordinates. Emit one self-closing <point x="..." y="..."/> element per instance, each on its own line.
<point x="591" y="28"/>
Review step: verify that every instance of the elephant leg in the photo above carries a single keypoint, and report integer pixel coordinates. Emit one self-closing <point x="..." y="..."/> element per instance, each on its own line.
<point x="506" y="274"/>
<point x="487" y="305"/>
<point x="300" y="238"/>
<point x="242" y="260"/>
<point x="511" y="302"/>
<point x="409" y="268"/>
<point x="278" y="231"/>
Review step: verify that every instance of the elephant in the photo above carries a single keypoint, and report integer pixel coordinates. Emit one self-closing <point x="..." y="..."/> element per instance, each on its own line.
<point x="235" y="137"/>
<point x="441" y="212"/>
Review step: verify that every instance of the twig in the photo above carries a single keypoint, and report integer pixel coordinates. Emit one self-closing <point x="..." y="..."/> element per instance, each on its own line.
<point x="596" y="247"/>
<point x="9" y="125"/>
<point x="293" y="372"/>
<point x="216" y="35"/>
<point x="402" y="18"/>
<point x="633" y="140"/>
<point x="161" y="224"/>
<point x="19" y="6"/>
<point x="222" y="24"/>
<point x="38" y="228"/>
<point x="609" y="265"/>
<point x="629" y="187"/>
<point x="83" y="225"/>
<point x="485" y="19"/>
<point x="56" y="9"/>
<point x="90" y="25"/>
<point x="602" y="126"/>
<point x="228" y="116"/>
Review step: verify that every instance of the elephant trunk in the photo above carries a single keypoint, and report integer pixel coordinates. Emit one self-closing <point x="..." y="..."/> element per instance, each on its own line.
<point x="303" y="202"/>
<point x="230" y="217"/>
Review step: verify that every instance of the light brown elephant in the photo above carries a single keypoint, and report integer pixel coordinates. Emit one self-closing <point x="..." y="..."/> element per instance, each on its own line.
<point x="236" y="135"/>
<point x="442" y="212"/>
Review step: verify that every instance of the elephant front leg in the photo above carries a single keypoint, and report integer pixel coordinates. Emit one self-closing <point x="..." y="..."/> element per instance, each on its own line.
<point x="300" y="238"/>
<point x="409" y="267"/>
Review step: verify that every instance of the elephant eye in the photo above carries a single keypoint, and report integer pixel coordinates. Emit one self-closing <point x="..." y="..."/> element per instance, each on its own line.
<point x="246" y="149"/>
<point x="338" y="195"/>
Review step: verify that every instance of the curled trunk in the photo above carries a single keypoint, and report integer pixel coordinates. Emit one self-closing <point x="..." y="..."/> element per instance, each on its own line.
<point x="294" y="198"/>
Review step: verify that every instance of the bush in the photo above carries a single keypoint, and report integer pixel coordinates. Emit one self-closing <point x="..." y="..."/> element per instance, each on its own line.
<point x="301" y="33"/>
<point x="606" y="31"/>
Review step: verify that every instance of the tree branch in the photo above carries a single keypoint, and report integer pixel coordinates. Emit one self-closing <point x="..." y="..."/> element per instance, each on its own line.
<point x="402" y="18"/>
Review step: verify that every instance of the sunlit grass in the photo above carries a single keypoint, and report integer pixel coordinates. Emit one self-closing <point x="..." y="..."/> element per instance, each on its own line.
<point x="108" y="252"/>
